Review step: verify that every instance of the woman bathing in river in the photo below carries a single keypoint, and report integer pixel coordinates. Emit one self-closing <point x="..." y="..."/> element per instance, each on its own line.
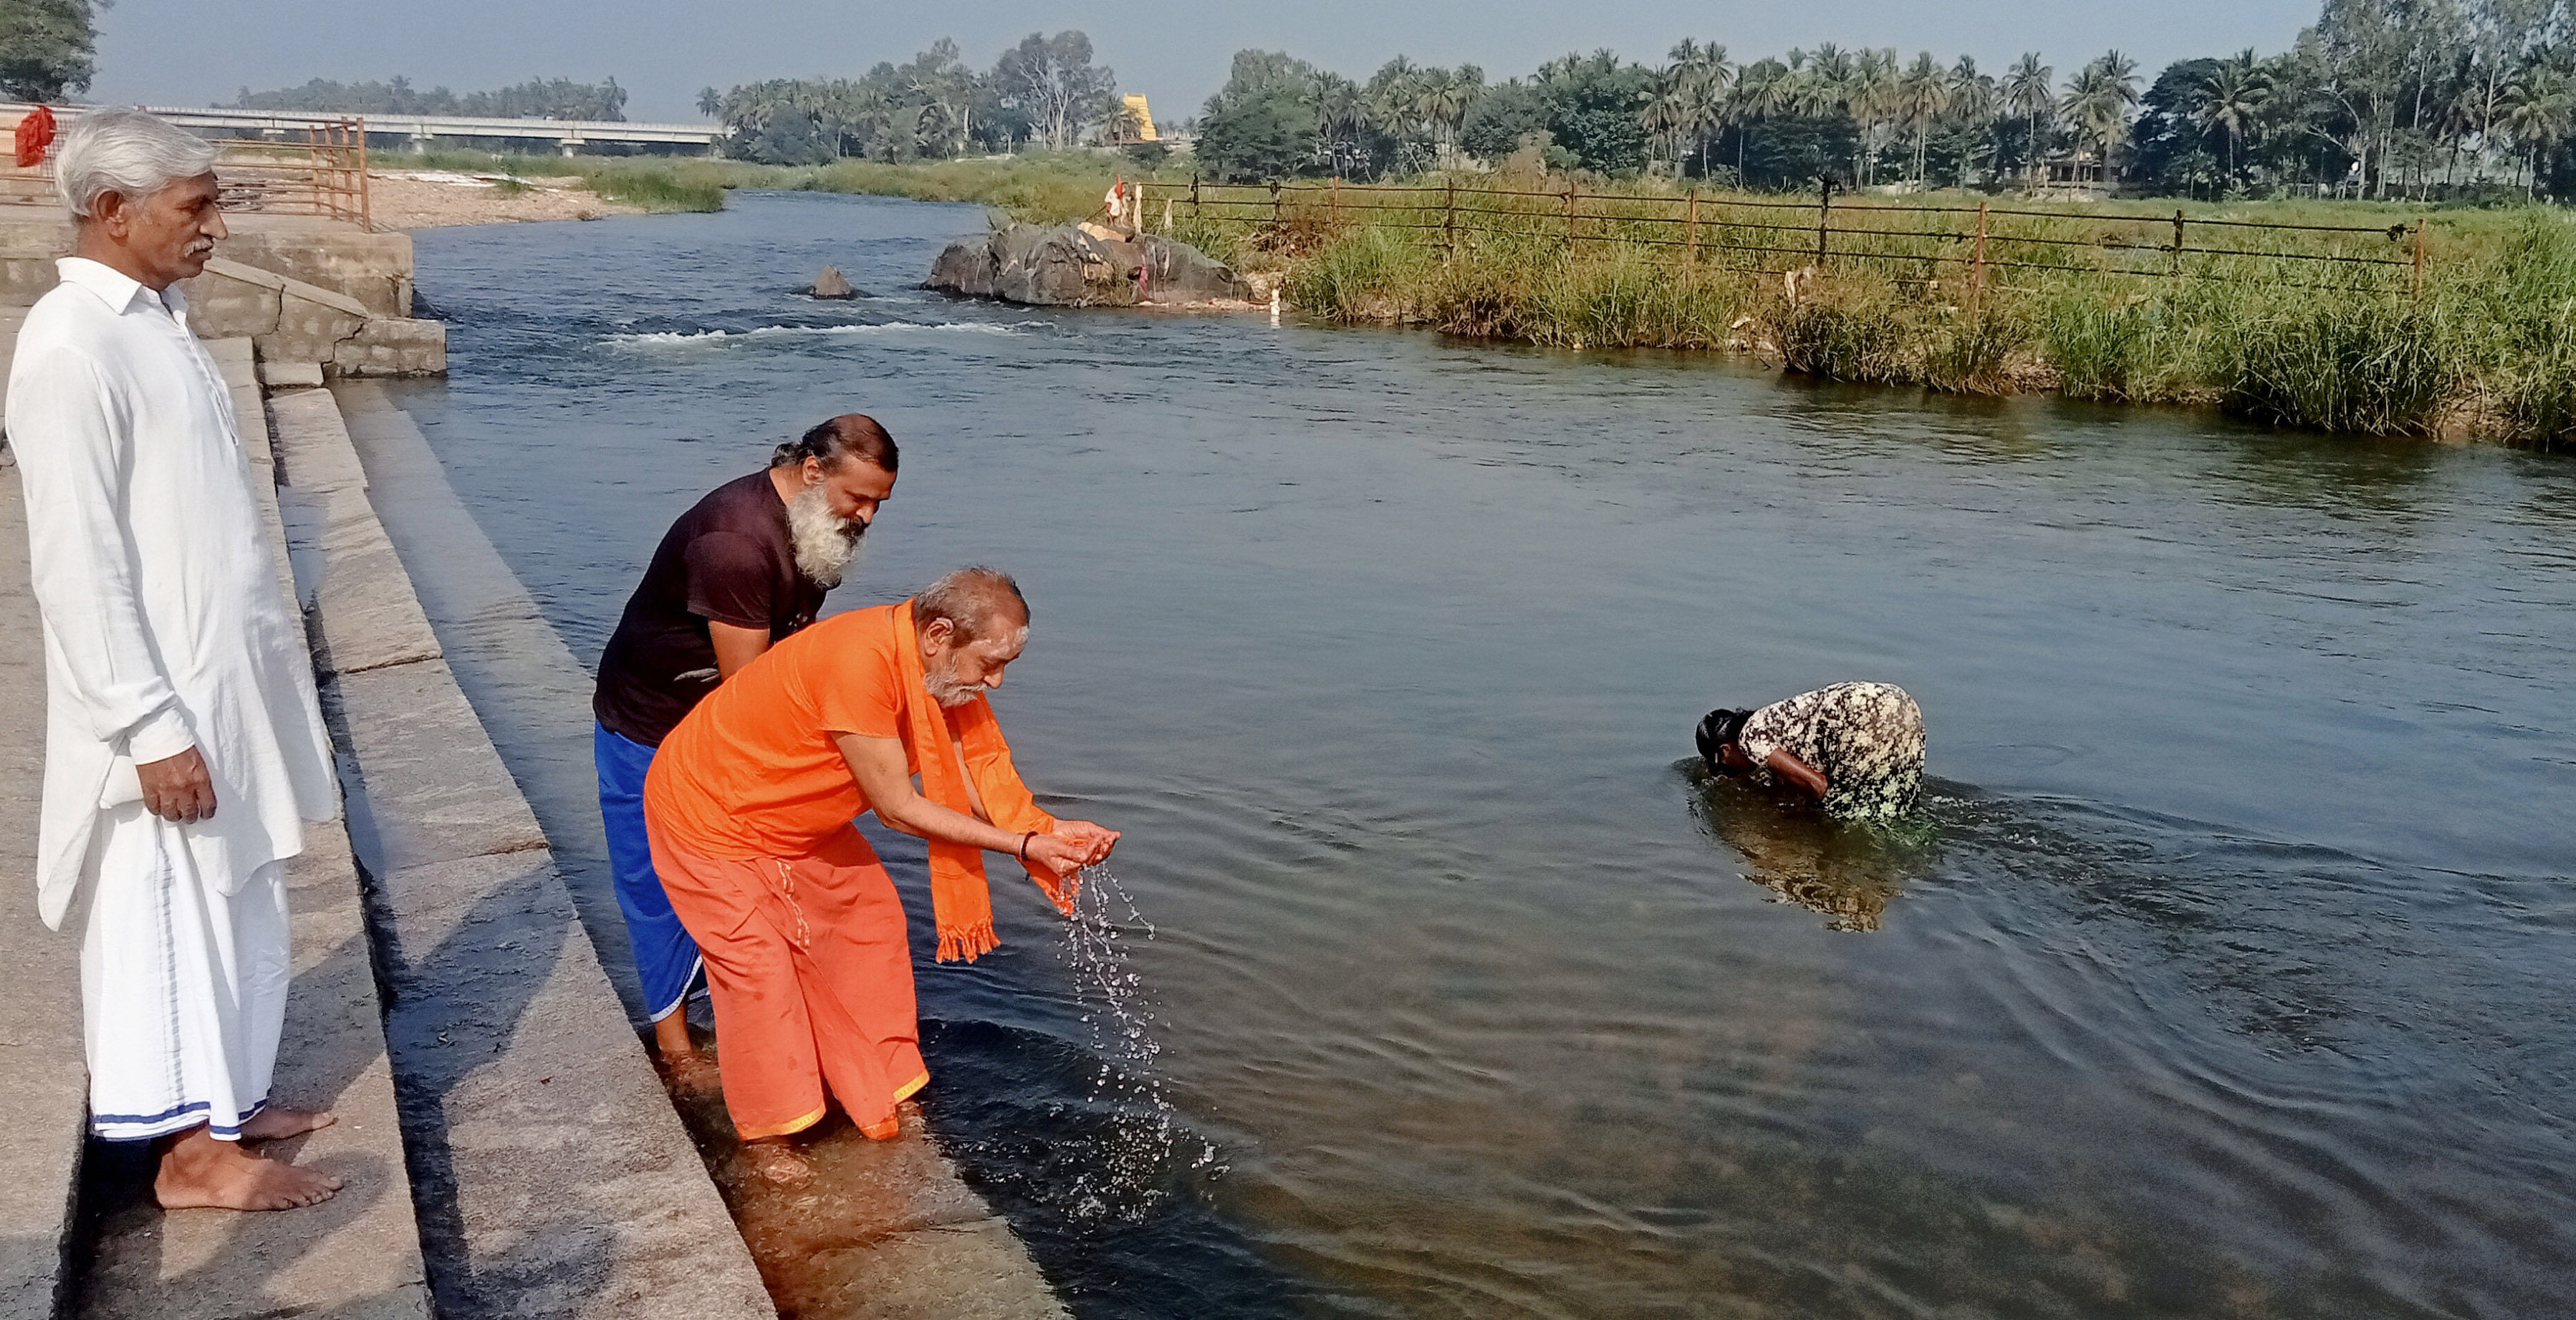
<point x="1856" y="748"/>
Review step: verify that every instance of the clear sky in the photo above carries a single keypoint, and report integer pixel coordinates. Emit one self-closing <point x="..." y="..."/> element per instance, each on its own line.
<point x="663" y="51"/>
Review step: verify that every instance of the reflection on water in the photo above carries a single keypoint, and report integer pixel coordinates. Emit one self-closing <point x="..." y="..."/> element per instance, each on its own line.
<point x="2228" y="992"/>
<point x="1846" y="871"/>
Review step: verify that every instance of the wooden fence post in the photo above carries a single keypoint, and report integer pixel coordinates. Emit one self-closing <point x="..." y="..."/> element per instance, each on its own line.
<point x="1690" y="233"/>
<point x="1334" y="208"/>
<point x="2177" y="247"/>
<point x="1569" y="218"/>
<point x="1274" y="206"/>
<point x="366" y="211"/>
<point x="1977" y="276"/>
<point x="1824" y="215"/>
<point x="1449" y="219"/>
<point x="1196" y="215"/>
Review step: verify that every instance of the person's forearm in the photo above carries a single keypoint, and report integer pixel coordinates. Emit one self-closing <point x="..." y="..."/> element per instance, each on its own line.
<point x="923" y="818"/>
<point x="1798" y="772"/>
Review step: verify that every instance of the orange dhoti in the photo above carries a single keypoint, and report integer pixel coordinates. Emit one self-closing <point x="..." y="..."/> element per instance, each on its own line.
<point x="811" y="974"/>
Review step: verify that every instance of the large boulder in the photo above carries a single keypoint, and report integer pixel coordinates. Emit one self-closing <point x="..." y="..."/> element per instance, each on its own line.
<point x="1083" y="266"/>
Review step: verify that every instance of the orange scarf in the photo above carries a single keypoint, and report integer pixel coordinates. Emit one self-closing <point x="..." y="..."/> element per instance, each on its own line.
<point x="961" y="902"/>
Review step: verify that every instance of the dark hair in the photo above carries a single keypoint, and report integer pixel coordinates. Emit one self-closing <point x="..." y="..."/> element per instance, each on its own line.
<point x="848" y="436"/>
<point x="1717" y="729"/>
<point x="973" y="600"/>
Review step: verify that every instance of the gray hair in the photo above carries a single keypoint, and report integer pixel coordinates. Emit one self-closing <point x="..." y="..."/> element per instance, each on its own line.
<point x="127" y="152"/>
<point x="976" y="600"/>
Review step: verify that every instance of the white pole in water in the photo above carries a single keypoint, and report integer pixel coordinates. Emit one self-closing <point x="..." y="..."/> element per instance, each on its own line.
<point x="1274" y="306"/>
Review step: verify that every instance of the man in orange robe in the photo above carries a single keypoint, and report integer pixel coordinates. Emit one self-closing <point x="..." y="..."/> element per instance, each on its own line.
<point x="749" y="807"/>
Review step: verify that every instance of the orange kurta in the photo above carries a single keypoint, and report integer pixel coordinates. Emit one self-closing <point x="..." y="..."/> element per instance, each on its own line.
<point x="748" y="806"/>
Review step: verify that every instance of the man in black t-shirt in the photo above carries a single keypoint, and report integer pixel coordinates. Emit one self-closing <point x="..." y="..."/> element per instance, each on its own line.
<point x="745" y="567"/>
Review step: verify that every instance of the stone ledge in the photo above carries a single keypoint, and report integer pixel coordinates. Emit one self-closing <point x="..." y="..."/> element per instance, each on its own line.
<point x="426" y="785"/>
<point x="279" y="375"/>
<point x="313" y="450"/>
<point x="44" y="1085"/>
<point x="975" y="1271"/>
<point x="364" y="613"/>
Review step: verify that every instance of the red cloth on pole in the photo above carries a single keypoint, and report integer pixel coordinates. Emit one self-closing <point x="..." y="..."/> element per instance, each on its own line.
<point x="35" y="135"/>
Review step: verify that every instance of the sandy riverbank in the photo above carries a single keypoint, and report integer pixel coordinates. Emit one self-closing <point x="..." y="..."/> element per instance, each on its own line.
<point x="421" y="199"/>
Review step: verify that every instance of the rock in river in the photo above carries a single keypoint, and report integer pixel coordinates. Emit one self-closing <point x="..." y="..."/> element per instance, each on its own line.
<point x="832" y="284"/>
<point x="1084" y="266"/>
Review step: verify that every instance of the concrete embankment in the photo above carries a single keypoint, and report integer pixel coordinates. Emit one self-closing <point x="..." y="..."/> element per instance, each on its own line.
<point x="302" y="289"/>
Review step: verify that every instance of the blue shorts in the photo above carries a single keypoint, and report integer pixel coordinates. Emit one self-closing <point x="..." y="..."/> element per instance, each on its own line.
<point x="666" y="959"/>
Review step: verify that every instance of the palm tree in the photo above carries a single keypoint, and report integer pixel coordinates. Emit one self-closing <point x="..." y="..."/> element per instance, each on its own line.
<point x="2539" y="111"/>
<point x="1702" y="77"/>
<point x="2231" y="100"/>
<point x="1443" y="101"/>
<point x="1871" y="99"/>
<point x="1765" y="88"/>
<point x="1921" y="98"/>
<point x="2099" y="101"/>
<point x="2030" y="92"/>
<point x="1973" y="101"/>
<point x="1343" y="111"/>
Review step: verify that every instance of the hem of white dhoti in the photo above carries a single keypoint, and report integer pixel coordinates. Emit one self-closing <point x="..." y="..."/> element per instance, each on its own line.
<point x="144" y="1127"/>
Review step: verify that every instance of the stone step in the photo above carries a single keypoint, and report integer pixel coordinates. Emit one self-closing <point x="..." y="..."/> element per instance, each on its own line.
<point x="358" y="1254"/>
<point x="551" y="1175"/>
<point x="44" y="1083"/>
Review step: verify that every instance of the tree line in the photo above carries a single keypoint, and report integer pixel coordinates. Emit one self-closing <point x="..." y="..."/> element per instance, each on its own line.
<point x="1045" y="91"/>
<point x="2378" y="98"/>
<point x="538" y="98"/>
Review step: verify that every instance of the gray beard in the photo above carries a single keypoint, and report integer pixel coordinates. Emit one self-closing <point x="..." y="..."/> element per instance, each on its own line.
<point x="828" y="546"/>
<point x="947" y="691"/>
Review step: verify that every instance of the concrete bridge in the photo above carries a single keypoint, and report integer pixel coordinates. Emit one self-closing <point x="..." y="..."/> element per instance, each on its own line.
<point x="569" y="134"/>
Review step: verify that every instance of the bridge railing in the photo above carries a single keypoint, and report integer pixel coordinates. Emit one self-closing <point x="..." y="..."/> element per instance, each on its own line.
<point x="299" y="166"/>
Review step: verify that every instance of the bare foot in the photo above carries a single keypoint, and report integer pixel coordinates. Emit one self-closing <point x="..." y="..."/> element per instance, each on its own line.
<point x="277" y="1123"/>
<point x="776" y="1162"/>
<point x="198" y="1171"/>
<point x="683" y="1068"/>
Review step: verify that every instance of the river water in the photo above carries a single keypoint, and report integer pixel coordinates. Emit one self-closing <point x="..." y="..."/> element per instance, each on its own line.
<point x="2225" y="974"/>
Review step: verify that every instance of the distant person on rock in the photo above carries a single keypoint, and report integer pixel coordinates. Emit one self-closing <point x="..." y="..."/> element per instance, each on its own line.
<point x="184" y="751"/>
<point x="750" y="806"/>
<point x="1854" y="748"/>
<point x="739" y="572"/>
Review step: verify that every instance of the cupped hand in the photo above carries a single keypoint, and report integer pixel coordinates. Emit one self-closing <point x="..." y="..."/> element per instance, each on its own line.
<point x="1057" y="853"/>
<point x="178" y="788"/>
<point x="1095" y="840"/>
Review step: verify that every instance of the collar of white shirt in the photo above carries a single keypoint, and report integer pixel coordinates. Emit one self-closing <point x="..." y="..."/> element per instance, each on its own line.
<point x="114" y="287"/>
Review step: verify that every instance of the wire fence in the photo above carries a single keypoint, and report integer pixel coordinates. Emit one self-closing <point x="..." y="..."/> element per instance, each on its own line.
<point x="1982" y="246"/>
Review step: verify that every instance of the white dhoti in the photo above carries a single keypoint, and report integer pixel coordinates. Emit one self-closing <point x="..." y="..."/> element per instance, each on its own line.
<point x="183" y="983"/>
<point x="166" y="629"/>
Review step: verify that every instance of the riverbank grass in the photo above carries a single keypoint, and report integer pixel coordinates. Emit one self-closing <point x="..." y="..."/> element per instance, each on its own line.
<point x="2486" y="350"/>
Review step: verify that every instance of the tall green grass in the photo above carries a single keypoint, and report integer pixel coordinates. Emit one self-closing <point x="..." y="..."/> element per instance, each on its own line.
<point x="2489" y="349"/>
<point x="2367" y="365"/>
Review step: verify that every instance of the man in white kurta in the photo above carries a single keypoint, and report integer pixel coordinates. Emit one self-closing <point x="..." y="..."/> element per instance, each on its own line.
<point x="184" y="749"/>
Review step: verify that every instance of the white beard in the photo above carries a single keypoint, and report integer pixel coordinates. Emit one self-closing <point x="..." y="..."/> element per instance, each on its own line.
<point x="828" y="546"/>
<point x="948" y="691"/>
